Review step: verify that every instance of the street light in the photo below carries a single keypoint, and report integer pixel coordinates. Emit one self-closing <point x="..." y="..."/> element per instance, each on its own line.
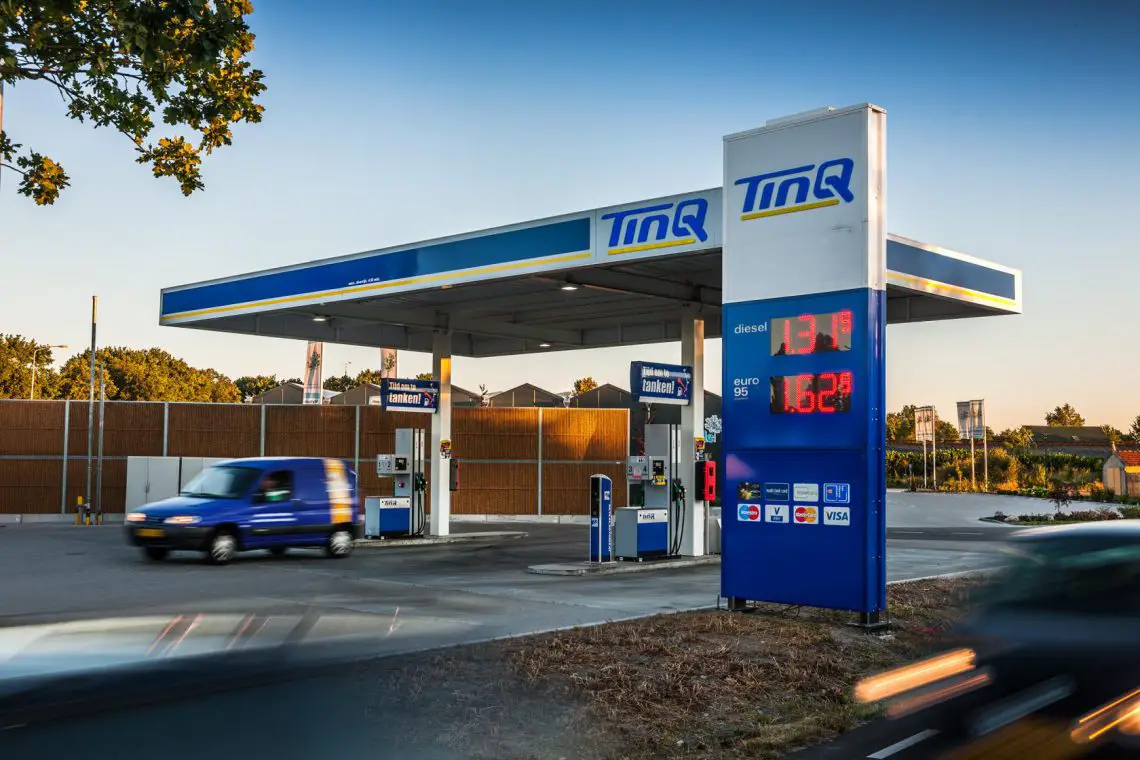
<point x="35" y="353"/>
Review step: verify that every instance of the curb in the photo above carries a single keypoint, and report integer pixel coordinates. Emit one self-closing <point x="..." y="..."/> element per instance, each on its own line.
<point x="393" y="543"/>
<point x="580" y="569"/>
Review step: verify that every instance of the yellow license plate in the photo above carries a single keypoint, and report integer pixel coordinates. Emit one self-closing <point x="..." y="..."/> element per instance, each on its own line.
<point x="150" y="533"/>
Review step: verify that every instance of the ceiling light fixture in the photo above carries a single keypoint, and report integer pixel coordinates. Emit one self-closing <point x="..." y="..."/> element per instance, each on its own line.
<point x="319" y="318"/>
<point x="544" y="345"/>
<point x="569" y="286"/>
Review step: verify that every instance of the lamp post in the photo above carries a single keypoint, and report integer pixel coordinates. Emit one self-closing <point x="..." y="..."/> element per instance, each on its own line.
<point x="35" y="354"/>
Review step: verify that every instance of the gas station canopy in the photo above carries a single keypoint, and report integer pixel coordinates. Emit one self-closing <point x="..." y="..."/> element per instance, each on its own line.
<point x="621" y="275"/>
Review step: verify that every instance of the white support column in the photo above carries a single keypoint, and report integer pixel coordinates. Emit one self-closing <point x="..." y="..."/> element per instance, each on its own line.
<point x="441" y="431"/>
<point x="693" y="425"/>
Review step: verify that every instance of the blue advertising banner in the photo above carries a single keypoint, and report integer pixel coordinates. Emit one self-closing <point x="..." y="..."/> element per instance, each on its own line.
<point x="652" y="383"/>
<point x="409" y="395"/>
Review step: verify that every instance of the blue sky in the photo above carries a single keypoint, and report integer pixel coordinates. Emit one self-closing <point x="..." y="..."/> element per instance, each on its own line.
<point x="1011" y="136"/>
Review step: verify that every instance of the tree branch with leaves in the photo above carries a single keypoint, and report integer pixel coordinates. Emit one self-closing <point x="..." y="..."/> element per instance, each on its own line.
<point x="118" y="63"/>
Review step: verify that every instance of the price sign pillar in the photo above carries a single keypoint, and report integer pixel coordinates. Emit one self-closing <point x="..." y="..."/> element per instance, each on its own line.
<point x="804" y="329"/>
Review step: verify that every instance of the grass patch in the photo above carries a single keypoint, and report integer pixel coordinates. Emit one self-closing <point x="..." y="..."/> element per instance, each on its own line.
<point x="700" y="684"/>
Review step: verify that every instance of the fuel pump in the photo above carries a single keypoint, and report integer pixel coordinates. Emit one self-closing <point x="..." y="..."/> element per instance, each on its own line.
<point x="654" y="529"/>
<point x="403" y="513"/>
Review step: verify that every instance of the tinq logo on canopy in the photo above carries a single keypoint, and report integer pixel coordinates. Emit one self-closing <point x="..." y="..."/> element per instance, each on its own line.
<point x="787" y="191"/>
<point x="662" y="226"/>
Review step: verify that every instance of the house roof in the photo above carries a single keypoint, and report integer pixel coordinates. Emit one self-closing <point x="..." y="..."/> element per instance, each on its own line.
<point x="1130" y="457"/>
<point x="1083" y="434"/>
<point x="528" y="388"/>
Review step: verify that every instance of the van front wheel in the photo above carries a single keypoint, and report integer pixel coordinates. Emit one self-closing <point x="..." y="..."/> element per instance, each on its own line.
<point x="339" y="544"/>
<point x="223" y="547"/>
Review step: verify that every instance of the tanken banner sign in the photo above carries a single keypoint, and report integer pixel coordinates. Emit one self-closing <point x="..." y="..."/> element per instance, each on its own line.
<point x="409" y="395"/>
<point x="652" y="383"/>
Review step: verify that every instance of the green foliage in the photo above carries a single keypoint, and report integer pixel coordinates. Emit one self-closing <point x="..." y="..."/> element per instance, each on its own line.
<point x="1028" y="473"/>
<point x="116" y="63"/>
<point x="1018" y="438"/>
<point x="584" y="384"/>
<point x="339" y="384"/>
<point x="1112" y="433"/>
<point x="1129" y="513"/>
<point x="945" y="431"/>
<point x="1064" y="416"/>
<point x="900" y="425"/>
<point x="1061" y="492"/>
<point x="424" y="376"/>
<point x="146" y="375"/>
<point x="16" y="353"/>
<point x="1134" y="429"/>
<point x="254" y="385"/>
<point x="1090" y="515"/>
<point x="372" y="376"/>
<point x="294" y="380"/>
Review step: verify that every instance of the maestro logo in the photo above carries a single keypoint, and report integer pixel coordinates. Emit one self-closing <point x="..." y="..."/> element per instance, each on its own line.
<point x="748" y="512"/>
<point x="801" y="188"/>
<point x="662" y="226"/>
<point x="807" y="515"/>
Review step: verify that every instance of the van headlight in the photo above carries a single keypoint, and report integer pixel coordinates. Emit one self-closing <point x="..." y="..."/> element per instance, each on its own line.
<point x="182" y="520"/>
<point x="136" y="517"/>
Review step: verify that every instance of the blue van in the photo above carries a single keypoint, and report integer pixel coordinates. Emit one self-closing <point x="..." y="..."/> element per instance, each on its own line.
<point x="263" y="503"/>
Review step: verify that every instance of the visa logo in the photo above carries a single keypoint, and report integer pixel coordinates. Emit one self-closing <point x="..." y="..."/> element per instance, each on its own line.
<point x="800" y="189"/>
<point x="662" y="226"/>
<point x="837" y="516"/>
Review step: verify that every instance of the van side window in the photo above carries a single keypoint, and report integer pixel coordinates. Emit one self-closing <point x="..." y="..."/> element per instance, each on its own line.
<point x="276" y="487"/>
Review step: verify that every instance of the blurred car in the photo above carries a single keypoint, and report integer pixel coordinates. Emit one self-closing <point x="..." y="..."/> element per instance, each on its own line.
<point x="260" y="503"/>
<point x="1053" y="642"/>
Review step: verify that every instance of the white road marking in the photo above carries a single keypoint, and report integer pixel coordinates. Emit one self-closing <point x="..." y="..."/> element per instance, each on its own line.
<point x="910" y="741"/>
<point x="968" y="533"/>
<point x="908" y="532"/>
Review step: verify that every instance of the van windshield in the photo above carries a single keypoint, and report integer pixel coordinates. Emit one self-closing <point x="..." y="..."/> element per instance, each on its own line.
<point x="221" y="483"/>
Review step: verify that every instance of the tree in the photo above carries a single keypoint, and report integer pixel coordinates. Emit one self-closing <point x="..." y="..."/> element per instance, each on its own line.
<point x="945" y="431"/>
<point x="424" y="376"/>
<point x="1064" y="416"/>
<point x="116" y="62"/>
<point x="484" y="396"/>
<point x="16" y="353"/>
<point x="372" y="376"/>
<point x="146" y="375"/>
<point x="1134" y="430"/>
<point x="900" y="425"/>
<point x="1112" y="433"/>
<point x="340" y="384"/>
<point x="254" y="385"/>
<point x="1018" y="438"/>
<point x="584" y="384"/>
<point x="294" y="380"/>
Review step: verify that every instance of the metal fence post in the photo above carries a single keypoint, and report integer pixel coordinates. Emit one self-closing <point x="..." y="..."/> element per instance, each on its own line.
<point x="261" y="444"/>
<point x="165" y="427"/>
<point x="66" y="444"/>
<point x="540" y="460"/>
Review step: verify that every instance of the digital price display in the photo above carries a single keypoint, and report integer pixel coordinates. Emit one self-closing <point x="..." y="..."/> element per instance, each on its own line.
<point x="808" y="393"/>
<point x="811" y="334"/>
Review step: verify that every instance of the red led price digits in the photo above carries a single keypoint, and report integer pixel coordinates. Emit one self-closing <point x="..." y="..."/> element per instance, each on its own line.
<point x="825" y="393"/>
<point x="804" y="342"/>
<point x="832" y="384"/>
<point x="812" y="333"/>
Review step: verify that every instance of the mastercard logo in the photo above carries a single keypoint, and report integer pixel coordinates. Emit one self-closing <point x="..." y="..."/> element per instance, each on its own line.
<point x="806" y="515"/>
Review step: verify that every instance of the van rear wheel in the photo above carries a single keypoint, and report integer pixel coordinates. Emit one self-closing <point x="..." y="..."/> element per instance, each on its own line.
<point x="278" y="551"/>
<point x="156" y="553"/>
<point x="339" y="544"/>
